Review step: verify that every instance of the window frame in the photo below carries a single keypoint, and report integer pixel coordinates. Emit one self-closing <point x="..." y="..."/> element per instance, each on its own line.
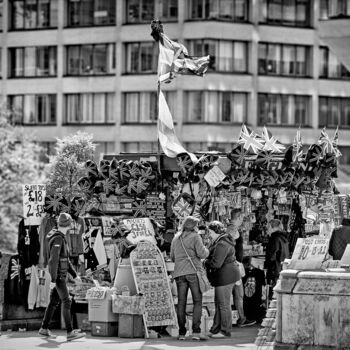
<point x="342" y="103"/>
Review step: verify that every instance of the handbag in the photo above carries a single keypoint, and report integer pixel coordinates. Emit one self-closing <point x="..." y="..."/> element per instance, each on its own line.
<point x="204" y="284"/>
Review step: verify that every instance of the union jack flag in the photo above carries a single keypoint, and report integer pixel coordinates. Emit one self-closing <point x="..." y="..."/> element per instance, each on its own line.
<point x="264" y="158"/>
<point x="182" y="208"/>
<point x="53" y="202"/>
<point x="271" y="143"/>
<point x="335" y="144"/>
<point x="139" y="209"/>
<point x="91" y="167"/>
<point x="238" y="154"/>
<point x="250" y="140"/>
<point x="297" y="147"/>
<point x="325" y="142"/>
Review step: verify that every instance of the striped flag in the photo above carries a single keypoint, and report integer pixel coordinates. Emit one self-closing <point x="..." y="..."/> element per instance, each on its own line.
<point x="271" y="143"/>
<point x="170" y="144"/>
<point x="174" y="59"/>
<point x="335" y="144"/>
<point x="250" y="140"/>
<point x="325" y="142"/>
<point x="297" y="147"/>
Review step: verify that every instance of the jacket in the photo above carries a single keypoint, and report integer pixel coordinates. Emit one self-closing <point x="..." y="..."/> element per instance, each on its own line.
<point x="222" y="267"/>
<point x="339" y="240"/>
<point x="277" y="249"/>
<point x="58" y="262"/>
<point x="195" y="249"/>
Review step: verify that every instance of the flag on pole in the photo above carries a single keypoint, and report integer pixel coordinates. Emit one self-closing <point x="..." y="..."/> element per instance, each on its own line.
<point x="174" y="58"/>
<point x="325" y="142"/>
<point x="297" y="147"/>
<point x="335" y="144"/>
<point x="170" y="144"/>
<point x="250" y="140"/>
<point x="271" y="143"/>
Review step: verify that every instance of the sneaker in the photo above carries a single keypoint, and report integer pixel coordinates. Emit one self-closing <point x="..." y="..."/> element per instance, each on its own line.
<point x="46" y="333"/>
<point x="198" y="336"/>
<point x="75" y="335"/>
<point x="247" y="323"/>
<point x="181" y="337"/>
<point x="218" y="336"/>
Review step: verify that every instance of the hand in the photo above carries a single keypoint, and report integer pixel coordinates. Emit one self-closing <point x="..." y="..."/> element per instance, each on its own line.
<point x="78" y="280"/>
<point x="52" y="285"/>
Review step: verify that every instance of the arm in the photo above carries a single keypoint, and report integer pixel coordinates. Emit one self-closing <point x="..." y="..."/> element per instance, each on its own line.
<point x="71" y="269"/>
<point x="218" y="257"/>
<point x="54" y="257"/>
<point x="172" y="253"/>
<point x="201" y="251"/>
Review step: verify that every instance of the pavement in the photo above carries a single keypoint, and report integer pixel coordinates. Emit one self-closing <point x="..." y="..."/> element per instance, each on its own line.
<point x="241" y="338"/>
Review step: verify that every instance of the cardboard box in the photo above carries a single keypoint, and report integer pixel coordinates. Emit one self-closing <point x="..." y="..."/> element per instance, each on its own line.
<point x="131" y="326"/>
<point x="127" y="304"/>
<point x="104" y="329"/>
<point x="100" y="310"/>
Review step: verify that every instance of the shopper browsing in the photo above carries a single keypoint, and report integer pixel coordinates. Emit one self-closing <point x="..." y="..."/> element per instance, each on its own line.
<point x="59" y="267"/>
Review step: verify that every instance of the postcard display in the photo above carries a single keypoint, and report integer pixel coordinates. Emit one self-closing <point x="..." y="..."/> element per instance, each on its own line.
<point x="152" y="281"/>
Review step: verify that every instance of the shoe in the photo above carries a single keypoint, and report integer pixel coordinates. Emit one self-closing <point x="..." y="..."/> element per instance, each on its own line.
<point x="247" y="323"/>
<point x="218" y="336"/>
<point x="75" y="335"/>
<point x="198" y="336"/>
<point x="181" y="337"/>
<point x="46" y="333"/>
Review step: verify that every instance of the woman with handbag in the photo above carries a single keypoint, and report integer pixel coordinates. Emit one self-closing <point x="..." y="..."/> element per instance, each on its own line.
<point x="187" y="250"/>
<point x="223" y="272"/>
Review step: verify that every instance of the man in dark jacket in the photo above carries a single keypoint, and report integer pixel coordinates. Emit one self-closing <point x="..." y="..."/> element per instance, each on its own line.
<point x="339" y="240"/>
<point x="277" y="249"/>
<point x="59" y="267"/>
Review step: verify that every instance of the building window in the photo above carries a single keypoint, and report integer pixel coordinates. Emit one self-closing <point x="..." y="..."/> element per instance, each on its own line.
<point x="225" y="55"/>
<point x="279" y="59"/>
<point x="334" y="9"/>
<point x="330" y="66"/>
<point x="144" y="11"/>
<point x="94" y="59"/>
<point x="141" y="57"/>
<point x="33" y="109"/>
<point x="94" y="108"/>
<point x="141" y="107"/>
<point x="47" y="149"/>
<point x="334" y="111"/>
<point x="90" y="12"/>
<point x="103" y="148"/>
<point x="278" y="109"/>
<point x="215" y="107"/>
<point x="225" y="10"/>
<point x="139" y="147"/>
<point x="285" y="12"/>
<point x="33" y="61"/>
<point x="208" y="146"/>
<point x="33" y="14"/>
<point x="1" y="15"/>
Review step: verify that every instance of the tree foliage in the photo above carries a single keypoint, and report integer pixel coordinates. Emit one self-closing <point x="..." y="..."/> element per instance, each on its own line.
<point x="20" y="164"/>
<point x="67" y="166"/>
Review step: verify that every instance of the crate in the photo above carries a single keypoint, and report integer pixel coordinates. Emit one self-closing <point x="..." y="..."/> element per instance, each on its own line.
<point x="131" y="326"/>
<point x="100" y="310"/>
<point x="104" y="329"/>
<point x="128" y="304"/>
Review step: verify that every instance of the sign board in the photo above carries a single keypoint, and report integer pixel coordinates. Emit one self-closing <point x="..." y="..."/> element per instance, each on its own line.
<point x="152" y="282"/>
<point x="33" y="203"/>
<point x="155" y="207"/>
<point x="214" y="176"/>
<point x="141" y="230"/>
<point x="309" y="253"/>
<point x="96" y="293"/>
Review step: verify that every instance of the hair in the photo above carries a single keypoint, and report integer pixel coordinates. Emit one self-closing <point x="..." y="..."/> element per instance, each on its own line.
<point x="275" y="223"/>
<point x="235" y="214"/>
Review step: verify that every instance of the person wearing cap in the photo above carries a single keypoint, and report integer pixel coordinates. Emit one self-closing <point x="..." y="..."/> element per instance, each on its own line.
<point x="186" y="245"/>
<point x="59" y="266"/>
<point x="223" y="272"/>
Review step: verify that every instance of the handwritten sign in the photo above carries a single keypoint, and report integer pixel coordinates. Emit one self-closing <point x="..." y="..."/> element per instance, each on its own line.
<point x="33" y="203"/>
<point x="214" y="176"/>
<point x="309" y="253"/>
<point x="141" y="230"/>
<point x="96" y="293"/>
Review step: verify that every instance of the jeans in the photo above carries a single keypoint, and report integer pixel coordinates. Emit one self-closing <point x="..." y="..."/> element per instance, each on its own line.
<point x="238" y="295"/>
<point x="184" y="283"/>
<point x="59" y="292"/>
<point x="223" y="314"/>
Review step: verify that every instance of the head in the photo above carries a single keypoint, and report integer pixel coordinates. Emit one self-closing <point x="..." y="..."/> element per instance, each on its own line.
<point x="247" y="261"/>
<point x="64" y="222"/>
<point x="190" y="224"/>
<point x="274" y="225"/>
<point x="216" y="228"/>
<point x="236" y="218"/>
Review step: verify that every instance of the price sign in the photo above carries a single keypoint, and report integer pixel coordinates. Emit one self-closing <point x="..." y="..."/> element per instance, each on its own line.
<point x="309" y="253"/>
<point x="214" y="176"/>
<point x="96" y="293"/>
<point x="33" y="203"/>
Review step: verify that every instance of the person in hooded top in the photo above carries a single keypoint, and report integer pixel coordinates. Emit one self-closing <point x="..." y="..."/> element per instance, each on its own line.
<point x="223" y="272"/>
<point x="277" y="249"/>
<point x="188" y="240"/>
<point x="59" y="267"/>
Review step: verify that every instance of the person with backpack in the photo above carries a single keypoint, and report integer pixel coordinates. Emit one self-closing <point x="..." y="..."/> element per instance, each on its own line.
<point x="59" y="267"/>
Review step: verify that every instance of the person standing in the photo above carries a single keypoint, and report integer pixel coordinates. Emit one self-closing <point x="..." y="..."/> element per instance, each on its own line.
<point x="59" y="267"/>
<point x="237" y="291"/>
<point x="186" y="245"/>
<point x="277" y="249"/>
<point x="223" y="272"/>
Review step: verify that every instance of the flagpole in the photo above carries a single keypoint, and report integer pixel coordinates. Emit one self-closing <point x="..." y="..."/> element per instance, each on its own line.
<point x="158" y="143"/>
